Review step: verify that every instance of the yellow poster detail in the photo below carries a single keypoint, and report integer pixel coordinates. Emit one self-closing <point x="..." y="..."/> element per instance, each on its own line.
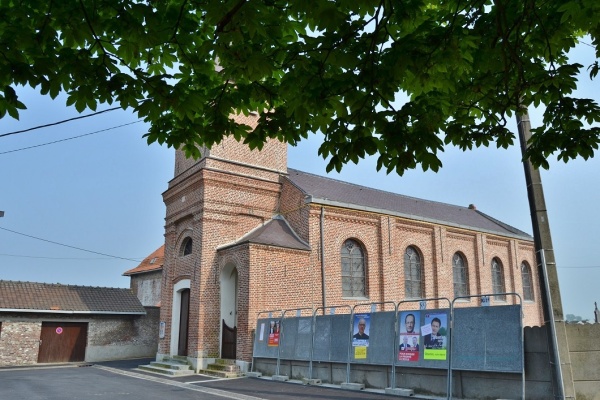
<point x="434" y="354"/>
<point x="360" y="352"/>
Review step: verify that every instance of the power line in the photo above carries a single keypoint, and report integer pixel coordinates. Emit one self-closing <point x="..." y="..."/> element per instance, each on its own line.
<point x="71" y="138"/>
<point x="72" y="247"/>
<point x="52" y="258"/>
<point x="60" y="122"/>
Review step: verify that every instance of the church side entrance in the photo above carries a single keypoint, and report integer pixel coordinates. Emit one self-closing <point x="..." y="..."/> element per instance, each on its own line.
<point x="229" y="286"/>
<point x="184" y="320"/>
<point x="180" y="318"/>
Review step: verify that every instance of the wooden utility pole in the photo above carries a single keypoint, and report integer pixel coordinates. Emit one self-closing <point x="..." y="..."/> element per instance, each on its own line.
<point x="552" y="305"/>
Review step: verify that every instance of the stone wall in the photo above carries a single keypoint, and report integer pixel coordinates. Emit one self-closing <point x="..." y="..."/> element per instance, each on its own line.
<point x="19" y="342"/>
<point x="122" y="338"/>
<point x="147" y="288"/>
<point x="109" y="337"/>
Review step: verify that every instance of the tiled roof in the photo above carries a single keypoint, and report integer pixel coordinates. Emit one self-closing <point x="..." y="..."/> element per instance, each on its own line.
<point x="66" y="299"/>
<point x="154" y="262"/>
<point x="276" y="232"/>
<point x="324" y="190"/>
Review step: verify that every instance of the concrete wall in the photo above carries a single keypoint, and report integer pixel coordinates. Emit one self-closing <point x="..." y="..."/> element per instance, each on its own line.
<point x="584" y="348"/>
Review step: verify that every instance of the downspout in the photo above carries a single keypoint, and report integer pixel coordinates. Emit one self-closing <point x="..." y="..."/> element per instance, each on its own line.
<point x="323" y="257"/>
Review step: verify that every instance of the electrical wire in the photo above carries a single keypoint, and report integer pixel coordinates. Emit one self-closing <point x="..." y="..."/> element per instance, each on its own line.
<point x="59" y="122"/>
<point x="71" y="138"/>
<point x="71" y="247"/>
<point x="53" y="258"/>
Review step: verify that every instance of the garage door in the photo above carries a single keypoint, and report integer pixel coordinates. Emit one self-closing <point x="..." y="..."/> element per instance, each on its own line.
<point x="62" y="342"/>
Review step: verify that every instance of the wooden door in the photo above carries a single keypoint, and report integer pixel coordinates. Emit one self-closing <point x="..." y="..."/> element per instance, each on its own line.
<point x="62" y="342"/>
<point x="184" y="317"/>
<point x="229" y="341"/>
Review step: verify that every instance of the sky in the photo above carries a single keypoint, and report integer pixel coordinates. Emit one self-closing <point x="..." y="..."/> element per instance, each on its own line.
<point x="88" y="207"/>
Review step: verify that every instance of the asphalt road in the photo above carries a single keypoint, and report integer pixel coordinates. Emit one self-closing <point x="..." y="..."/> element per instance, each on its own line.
<point x="120" y="380"/>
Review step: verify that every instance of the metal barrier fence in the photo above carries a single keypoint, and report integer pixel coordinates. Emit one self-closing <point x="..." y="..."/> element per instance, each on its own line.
<point x="484" y="342"/>
<point x="432" y="350"/>
<point x="392" y="334"/>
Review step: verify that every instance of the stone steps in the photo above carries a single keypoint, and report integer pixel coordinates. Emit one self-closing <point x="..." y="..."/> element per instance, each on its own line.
<point x="172" y="366"/>
<point x="223" y="369"/>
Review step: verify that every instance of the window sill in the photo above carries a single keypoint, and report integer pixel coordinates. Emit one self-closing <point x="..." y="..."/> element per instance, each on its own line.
<point x="355" y="298"/>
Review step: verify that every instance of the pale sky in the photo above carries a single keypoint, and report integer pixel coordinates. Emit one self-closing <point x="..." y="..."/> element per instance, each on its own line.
<point x="102" y="192"/>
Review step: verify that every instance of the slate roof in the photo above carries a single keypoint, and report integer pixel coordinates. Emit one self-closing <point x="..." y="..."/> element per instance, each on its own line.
<point x="276" y="232"/>
<point x="29" y="297"/>
<point x="323" y="190"/>
<point x="154" y="262"/>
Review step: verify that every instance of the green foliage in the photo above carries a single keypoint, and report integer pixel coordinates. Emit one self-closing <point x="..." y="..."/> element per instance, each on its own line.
<point x="339" y="67"/>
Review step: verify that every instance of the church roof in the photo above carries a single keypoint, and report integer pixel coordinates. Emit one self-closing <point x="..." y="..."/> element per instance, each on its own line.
<point x="154" y="262"/>
<point x="327" y="191"/>
<point x="276" y="232"/>
<point x="34" y="297"/>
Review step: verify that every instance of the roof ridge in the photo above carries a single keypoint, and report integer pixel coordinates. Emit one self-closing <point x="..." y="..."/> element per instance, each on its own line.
<point x="64" y="285"/>
<point x="326" y="190"/>
<point x="282" y="217"/>
<point x="503" y="224"/>
<point x="375" y="189"/>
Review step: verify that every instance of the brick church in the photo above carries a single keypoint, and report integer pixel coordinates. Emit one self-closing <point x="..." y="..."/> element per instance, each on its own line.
<point x="246" y="234"/>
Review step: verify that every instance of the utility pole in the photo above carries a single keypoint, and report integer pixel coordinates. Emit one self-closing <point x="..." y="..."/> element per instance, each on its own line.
<point x="562" y="375"/>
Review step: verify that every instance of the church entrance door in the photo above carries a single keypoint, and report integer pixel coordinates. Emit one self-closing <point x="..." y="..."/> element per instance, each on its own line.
<point x="184" y="318"/>
<point x="229" y="288"/>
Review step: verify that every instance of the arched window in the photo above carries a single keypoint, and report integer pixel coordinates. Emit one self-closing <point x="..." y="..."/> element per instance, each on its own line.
<point x="186" y="246"/>
<point x="498" y="279"/>
<point x="412" y="274"/>
<point x="353" y="269"/>
<point x="461" y="276"/>
<point x="527" y="282"/>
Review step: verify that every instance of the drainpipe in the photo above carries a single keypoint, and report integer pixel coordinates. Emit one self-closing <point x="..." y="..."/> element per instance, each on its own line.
<point x="323" y="257"/>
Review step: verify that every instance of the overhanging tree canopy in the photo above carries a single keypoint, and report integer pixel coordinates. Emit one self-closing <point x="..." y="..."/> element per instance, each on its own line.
<point x="394" y="78"/>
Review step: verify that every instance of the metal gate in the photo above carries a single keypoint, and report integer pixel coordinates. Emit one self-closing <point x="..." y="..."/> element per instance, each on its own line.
<point x="229" y="340"/>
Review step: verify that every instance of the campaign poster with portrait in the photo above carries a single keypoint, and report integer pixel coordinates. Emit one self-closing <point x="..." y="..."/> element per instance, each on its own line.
<point x="435" y="336"/>
<point x="361" y="328"/>
<point x="408" y="349"/>
<point x="274" y="329"/>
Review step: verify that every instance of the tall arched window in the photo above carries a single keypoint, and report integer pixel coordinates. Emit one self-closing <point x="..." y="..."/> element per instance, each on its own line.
<point x="353" y="269"/>
<point x="527" y="282"/>
<point x="461" y="276"/>
<point x="186" y="246"/>
<point x="413" y="279"/>
<point x="498" y="279"/>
